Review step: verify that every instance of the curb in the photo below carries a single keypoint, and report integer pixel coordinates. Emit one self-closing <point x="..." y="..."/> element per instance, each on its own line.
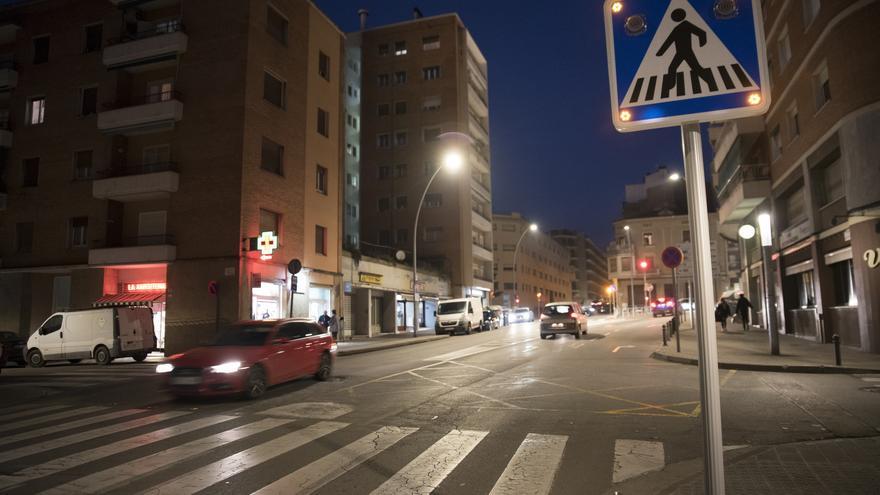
<point x="776" y="368"/>
<point x="390" y="345"/>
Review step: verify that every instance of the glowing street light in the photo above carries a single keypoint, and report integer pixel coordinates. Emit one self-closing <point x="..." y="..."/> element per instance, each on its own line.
<point x="675" y="177"/>
<point x="533" y="227"/>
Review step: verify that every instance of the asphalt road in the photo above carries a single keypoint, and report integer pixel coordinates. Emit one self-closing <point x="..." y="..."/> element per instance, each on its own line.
<point x="498" y="412"/>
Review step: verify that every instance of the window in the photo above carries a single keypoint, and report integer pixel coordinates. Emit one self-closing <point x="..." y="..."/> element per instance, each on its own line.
<point x="430" y="168"/>
<point x="323" y="122"/>
<point x="775" y="144"/>
<point x="299" y="330"/>
<point x="508" y="285"/>
<point x="384" y="204"/>
<point x="351" y="210"/>
<point x="430" y="134"/>
<point x="431" y="73"/>
<point x="400" y="202"/>
<point x="383" y="109"/>
<point x="276" y="25"/>
<point x="274" y="90"/>
<point x="383" y="80"/>
<point x="842" y="276"/>
<point x="508" y="247"/>
<point x="806" y="289"/>
<point x="272" y="156"/>
<point x="794" y="207"/>
<point x="433" y="234"/>
<point x="383" y="49"/>
<point x="160" y="153"/>
<point x="41" y="50"/>
<point x="52" y="325"/>
<point x="30" y="174"/>
<point x="648" y="239"/>
<point x="400" y="138"/>
<point x="626" y="264"/>
<point x="321" y="179"/>
<point x="399" y="48"/>
<point x="433" y="200"/>
<point x="94" y="37"/>
<point x="82" y="165"/>
<point x="821" y="86"/>
<point x="78" y="231"/>
<point x="324" y="65"/>
<point x="508" y="227"/>
<point x="384" y="171"/>
<point x="430" y="42"/>
<point x="351" y="149"/>
<point x="400" y="170"/>
<point x="685" y="236"/>
<point x="24" y="237"/>
<point x="88" y="101"/>
<point x="36" y="110"/>
<point x="794" y="124"/>
<point x="160" y="91"/>
<point x="431" y="103"/>
<point x="831" y="182"/>
<point x="269" y="221"/>
<point x="351" y="121"/>
<point x="400" y="107"/>
<point x="783" y="48"/>
<point x="351" y="180"/>
<point x="402" y="236"/>
<point x="320" y="240"/>
<point x="811" y="10"/>
<point x="383" y="141"/>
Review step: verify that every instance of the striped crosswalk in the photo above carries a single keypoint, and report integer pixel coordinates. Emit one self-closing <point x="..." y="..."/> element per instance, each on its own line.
<point x="680" y="85"/>
<point x="68" y="450"/>
<point x="73" y="378"/>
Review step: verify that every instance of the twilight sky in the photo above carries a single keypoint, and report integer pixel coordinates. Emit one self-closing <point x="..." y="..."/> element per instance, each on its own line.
<point x="555" y="156"/>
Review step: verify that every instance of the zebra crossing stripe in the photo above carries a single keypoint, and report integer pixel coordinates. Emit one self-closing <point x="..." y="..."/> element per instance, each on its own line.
<point x="51" y="417"/>
<point x="57" y="442"/>
<point x="533" y="466"/>
<point x="108" y="479"/>
<point x="230" y="466"/>
<point x="310" y="478"/>
<point x="424" y="473"/>
<point x="86" y="456"/>
<point x="68" y="425"/>
<point x="30" y="412"/>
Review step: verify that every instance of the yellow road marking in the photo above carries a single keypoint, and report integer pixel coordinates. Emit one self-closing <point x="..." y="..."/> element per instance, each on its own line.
<point x="722" y="382"/>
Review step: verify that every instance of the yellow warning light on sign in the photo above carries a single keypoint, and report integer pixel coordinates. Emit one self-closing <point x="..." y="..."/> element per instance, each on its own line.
<point x="616" y="7"/>
<point x="625" y="115"/>
<point x="755" y="99"/>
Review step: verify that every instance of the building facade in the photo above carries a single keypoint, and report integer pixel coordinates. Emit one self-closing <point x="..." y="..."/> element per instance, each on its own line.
<point x="154" y="145"/>
<point x="420" y="79"/>
<point x="541" y="272"/>
<point x="588" y="264"/>
<point x="811" y="163"/>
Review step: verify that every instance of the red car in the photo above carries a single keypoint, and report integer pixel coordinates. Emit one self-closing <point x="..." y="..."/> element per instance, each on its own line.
<point x="249" y="357"/>
<point x="663" y="306"/>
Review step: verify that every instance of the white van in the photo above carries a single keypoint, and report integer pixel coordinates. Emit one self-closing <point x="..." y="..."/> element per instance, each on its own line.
<point x="459" y="315"/>
<point x="101" y="334"/>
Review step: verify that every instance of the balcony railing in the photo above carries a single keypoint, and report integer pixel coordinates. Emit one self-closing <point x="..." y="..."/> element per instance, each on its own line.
<point x="144" y="100"/>
<point x="140" y="169"/>
<point x="479" y="92"/>
<point x="742" y="173"/>
<point x="167" y="27"/>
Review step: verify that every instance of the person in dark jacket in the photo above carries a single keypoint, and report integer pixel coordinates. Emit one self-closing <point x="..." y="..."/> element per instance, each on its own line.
<point x="743" y="306"/>
<point x="722" y="313"/>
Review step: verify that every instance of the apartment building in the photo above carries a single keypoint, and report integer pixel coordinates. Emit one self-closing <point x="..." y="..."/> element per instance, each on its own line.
<point x="811" y="163"/>
<point x="154" y="152"/>
<point x="420" y="79"/>
<point x="541" y="272"/>
<point x="588" y="263"/>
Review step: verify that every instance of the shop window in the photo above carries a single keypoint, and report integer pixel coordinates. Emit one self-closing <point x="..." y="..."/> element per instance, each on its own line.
<point x="805" y="289"/>
<point x="842" y="276"/>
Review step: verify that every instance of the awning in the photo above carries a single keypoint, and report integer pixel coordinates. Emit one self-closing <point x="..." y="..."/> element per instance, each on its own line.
<point x="129" y="299"/>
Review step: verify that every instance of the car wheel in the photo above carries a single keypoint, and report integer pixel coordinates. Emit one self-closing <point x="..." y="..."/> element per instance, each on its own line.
<point x="543" y="336"/>
<point x="577" y="335"/>
<point x="467" y="331"/>
<point x="140" y="357"/>
<point x="325" y="368"/>
<point x="102" y="356"/>
<point x="35" y="358"/>
<point x="256" y="383"/>
<point x="74" y="361"/>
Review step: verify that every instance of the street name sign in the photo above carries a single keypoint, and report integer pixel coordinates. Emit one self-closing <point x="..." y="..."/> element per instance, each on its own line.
<point x="672" y="62"/>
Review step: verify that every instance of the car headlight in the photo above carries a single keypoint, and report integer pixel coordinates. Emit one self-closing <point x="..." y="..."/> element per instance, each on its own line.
<point x="164" y="368"/>
<point x="230" y="367"/>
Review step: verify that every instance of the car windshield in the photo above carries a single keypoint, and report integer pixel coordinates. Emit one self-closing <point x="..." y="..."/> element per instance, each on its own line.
<point x="246" y="335"/>
<point x="557" y="310"/>
<point x="451" y="308"/>
<point x="521" y="310"/>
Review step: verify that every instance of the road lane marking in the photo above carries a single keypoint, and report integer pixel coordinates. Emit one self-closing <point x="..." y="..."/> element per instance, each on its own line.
<point x="57" y="442"/>
<point x="228" y="467"/>
<point x="51" y="418"/>
<point x="310" y="478"/>
<point x="68" y="425"/>
<point x="467" y="351"/>
<point x="721" y="384"/>
<point x="623" y="347"/>
<point x="86" y="456"/>
<point x="314" y="410"/>
<point x="108" y="479"/>
<point x="533" y="466"/>
<point x="612" y="397"/>
<point x="456" y="387"/>
<point x="578" y="345"/>
<point x="636" y="457"/>
<point x="30" y="412"/>
<point x="425" y="473"/>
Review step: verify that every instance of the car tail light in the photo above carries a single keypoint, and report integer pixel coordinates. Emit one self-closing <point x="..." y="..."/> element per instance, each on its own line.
<point x="653" y="305"/>
<point x="672" y="303"/>
<point x="661" y="299"/>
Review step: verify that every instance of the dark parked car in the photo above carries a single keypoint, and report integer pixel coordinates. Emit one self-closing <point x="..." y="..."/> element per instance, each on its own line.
<point x="13" y="347"/>
<point x="663" y="306"/>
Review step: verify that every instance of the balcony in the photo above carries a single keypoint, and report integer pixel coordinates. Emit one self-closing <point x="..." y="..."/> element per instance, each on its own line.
<point x="741" y="189"/>
<point x="481" y="189"/>
<point x="477" y="127"/>
<point x="477" y="99"/>
<point x="146" y="49"/>
<point x="482" y="252"/>
<point x="479" y="221"/>
<point x="151" y="113"/>
<point x="140" y="183"/>
<point x="136" y="250"/>
<point x="8" y="75"/>
<point x="729" y="137"/>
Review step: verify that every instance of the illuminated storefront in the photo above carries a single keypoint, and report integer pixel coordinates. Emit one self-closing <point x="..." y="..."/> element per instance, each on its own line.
<point x="138" y="285"/>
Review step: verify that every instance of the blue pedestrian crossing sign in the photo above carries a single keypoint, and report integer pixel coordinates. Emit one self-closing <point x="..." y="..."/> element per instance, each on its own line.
<point x="672" y="62"/>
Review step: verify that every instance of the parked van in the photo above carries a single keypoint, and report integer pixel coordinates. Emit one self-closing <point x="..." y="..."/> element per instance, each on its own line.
<point x="459" y="315"/>
<point x="101" y="334"/>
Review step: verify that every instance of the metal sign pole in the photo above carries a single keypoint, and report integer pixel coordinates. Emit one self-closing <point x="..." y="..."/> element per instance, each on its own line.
<point x="710" y="390"/>
<point x="677" y="324"/>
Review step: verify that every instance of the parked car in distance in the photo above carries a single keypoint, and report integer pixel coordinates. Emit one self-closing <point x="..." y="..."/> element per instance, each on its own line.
<point x="563" y="317"/>
<point x="600" y="307"/>
<point x="663" y="306"/>
<point x="519" y="315"/>
<point x="102" y="334"/>
<point x="13" y="347"/>
<point x="490" y="320"/>
<point x="249" y="357"/>
<point x="685" y="305"/>
<point x="499" y="313"/>
<point x="463" y="315"/>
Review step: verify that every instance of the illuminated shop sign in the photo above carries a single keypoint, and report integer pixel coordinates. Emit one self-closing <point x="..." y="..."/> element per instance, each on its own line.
<point x="146" y="287"/>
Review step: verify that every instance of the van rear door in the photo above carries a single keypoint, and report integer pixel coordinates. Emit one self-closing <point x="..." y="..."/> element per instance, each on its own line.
<point x="135" y="329"/>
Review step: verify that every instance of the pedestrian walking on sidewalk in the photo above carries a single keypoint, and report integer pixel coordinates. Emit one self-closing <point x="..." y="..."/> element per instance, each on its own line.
<point x="743" y="307"/>
<point x="722" y="313"/>
<point x="324" y="320"/>
<point x="334" y="325"/>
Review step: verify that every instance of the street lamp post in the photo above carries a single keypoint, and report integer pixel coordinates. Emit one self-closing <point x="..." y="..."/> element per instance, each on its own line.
<point x="644" y="266"/>
<point x="532" y="228"/>
<point x="632" y="264"/>
<point x="747" y="232"/>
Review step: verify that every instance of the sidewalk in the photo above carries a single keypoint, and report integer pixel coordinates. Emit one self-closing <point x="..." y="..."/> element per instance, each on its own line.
<point x="840" y="466"/>
<point x="360" y="344"/>
<point x="751" y="351"/>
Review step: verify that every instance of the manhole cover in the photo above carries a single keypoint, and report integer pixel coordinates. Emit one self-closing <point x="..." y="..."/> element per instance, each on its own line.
<point x="870" y="389"/>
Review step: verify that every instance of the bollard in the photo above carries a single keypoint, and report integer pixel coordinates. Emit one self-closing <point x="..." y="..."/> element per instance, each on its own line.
<point x="663" y="329"/>
<point x="836" y="340"/>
